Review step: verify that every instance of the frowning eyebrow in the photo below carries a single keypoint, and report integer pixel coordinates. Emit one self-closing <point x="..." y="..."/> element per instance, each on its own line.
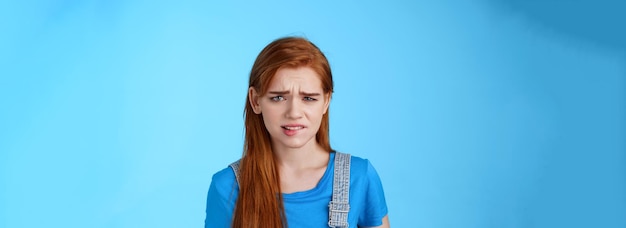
<point x="287" y="92"/>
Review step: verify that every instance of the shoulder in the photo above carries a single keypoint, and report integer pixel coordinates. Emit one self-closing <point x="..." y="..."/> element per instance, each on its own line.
<point x="363" y="174"/>
<point x="360" y="165"/>
<point x="224" y="180"/>
<point x="224" y="175"/>
<point x="361" y="170"/>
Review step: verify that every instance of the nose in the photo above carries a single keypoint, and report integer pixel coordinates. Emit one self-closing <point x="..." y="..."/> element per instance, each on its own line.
<point x="294" y="109"/>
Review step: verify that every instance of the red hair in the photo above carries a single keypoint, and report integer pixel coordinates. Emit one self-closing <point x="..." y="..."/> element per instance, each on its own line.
<point x="260" y="202"/>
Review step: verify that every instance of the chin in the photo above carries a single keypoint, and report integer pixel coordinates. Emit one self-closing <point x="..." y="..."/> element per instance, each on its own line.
<point x="295" y="143"/>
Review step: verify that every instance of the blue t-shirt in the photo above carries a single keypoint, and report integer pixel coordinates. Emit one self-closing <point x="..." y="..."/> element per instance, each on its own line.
<point x="308" y="208"/>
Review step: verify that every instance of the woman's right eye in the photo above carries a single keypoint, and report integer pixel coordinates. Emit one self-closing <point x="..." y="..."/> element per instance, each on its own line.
<point x="277" y="98"/>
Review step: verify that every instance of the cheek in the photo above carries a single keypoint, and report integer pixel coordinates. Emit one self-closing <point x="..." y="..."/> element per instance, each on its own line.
<point x="269" y="123"/>
<point x="271" y="115"/>
<point x="316" y="111"/>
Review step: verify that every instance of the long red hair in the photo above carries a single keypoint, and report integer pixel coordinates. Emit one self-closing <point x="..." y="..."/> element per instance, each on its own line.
<point x="260" y="202"/>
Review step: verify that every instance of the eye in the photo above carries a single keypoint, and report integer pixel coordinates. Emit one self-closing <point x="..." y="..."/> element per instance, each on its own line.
<point x="309" y="99"/>
<point x="277" y="98"/>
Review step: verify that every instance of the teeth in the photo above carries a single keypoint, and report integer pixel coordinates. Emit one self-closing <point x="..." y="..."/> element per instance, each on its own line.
<point x="293" y="128"/>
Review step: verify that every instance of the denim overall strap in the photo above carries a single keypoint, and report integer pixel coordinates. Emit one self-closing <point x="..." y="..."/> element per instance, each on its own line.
<point x="235" y="167"/>
<point x="339" y="207"/>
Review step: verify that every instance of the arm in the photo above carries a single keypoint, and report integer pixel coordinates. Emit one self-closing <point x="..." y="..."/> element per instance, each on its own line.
<point x="376" y="205"/>
<point x="385" y="223"/>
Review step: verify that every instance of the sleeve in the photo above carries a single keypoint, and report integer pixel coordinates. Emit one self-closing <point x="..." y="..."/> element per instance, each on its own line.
<point x="221" y="200"/>
<point x="375" y="208"/>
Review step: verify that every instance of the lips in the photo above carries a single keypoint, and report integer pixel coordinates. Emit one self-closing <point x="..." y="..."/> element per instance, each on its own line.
<point x="291" y="129"/>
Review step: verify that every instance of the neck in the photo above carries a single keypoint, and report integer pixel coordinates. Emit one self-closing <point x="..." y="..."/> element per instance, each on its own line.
<point x="307" y="156"/>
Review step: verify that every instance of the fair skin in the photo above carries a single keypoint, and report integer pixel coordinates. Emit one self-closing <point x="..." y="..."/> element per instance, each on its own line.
<point x="292" y="110"/>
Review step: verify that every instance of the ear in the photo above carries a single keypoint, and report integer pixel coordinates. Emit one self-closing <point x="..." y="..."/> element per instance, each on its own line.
<point x="253" y="97"/>
<point x="326" y="102"/>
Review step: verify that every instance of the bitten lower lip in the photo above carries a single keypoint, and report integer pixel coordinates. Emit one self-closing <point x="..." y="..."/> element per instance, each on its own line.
<point x="292" y="129"/>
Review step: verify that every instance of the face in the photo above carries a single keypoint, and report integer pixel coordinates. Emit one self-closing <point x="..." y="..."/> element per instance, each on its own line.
<point x="292" y="107"/>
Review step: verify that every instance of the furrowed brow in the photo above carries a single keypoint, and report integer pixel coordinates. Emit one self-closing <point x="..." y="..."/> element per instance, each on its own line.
<point x="278" y="92"/>
<point x="309" y="94"/>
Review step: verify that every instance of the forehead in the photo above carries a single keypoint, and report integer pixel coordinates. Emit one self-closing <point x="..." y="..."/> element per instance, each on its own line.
<point x="303" y="78"/>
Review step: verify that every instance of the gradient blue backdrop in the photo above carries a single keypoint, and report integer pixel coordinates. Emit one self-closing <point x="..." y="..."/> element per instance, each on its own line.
<point x="479" y="113"/>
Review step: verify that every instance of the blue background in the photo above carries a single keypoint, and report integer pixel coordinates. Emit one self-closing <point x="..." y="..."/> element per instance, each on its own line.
<point x="475" y="113"/>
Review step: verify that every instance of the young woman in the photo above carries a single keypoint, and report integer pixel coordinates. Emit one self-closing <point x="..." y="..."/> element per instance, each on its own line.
<point x="288" y="175"/>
